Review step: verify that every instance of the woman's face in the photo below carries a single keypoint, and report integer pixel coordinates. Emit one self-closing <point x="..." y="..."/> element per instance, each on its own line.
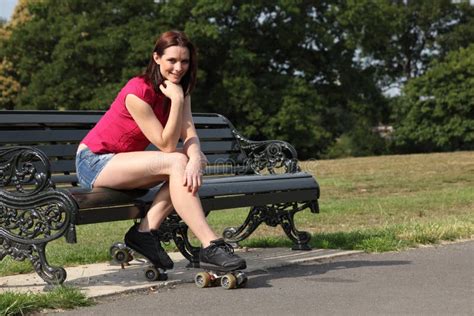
<point x="174" y="63"/>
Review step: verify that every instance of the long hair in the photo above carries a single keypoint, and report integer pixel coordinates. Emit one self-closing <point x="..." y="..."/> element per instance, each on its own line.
<point x="172" y="38"/>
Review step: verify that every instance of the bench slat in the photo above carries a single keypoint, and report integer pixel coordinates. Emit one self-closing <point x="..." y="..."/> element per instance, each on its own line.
<point x="219" y="146"/>
<point x="38" y="136"/>
<point x="59" y="150"/>
<point x="69" y="150"/>
<point x="75" y="117"/>
<point x="251" y="184"/>
<point x="209" y="120"/>
<point x="223" y="187"/>
<point x="258" y="199"/>
<point x="63" y="166"/>
<point x="124" y="212"/>
<point x="214" y="133"/>
<point x="46" y="117"/>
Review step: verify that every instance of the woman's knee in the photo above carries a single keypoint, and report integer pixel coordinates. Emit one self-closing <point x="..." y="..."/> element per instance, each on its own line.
<point x="167" y="163"/>
<point x="178" y="162"/>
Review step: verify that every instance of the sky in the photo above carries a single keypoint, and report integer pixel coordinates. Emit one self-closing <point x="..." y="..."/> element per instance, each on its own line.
<point x="6" y="8"/>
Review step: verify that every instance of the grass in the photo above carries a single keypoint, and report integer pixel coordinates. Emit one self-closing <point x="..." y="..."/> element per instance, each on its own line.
<point x="24" y="303"/>
<point x="388" y="238"/>
<point x="373" y="204"/>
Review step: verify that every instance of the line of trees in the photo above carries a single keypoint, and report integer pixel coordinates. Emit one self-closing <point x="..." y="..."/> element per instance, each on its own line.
<point x="315" y="73"/>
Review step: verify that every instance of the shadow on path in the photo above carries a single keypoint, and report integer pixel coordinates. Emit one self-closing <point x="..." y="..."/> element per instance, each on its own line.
<point x="262" y="278"/>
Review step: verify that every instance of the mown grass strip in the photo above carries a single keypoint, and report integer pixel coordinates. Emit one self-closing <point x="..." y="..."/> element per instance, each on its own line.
<point x="62" y="297"/>
<point x="389" y="238"/>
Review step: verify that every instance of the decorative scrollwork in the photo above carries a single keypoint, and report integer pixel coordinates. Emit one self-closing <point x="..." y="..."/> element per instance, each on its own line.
<point x="173" y="228"/>
<point x="35" y="253"/>
<point x="32" y="211"/>
<point x="273" y="215"/>
<point x="25" y="169"/>
<point x="271" y="155"/>
<point x="40" y="219"/>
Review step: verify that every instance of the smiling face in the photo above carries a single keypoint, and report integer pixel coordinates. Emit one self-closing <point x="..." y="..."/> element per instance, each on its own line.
<point x="174" y="63"/>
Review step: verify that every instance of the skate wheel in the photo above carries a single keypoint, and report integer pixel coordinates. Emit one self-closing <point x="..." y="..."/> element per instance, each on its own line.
<point x="121" y="256"/>
<point x="229" y="281"/>
<point x="152" y="274"/>
<point x="202" y="279"/>
<point x="116" y="246"/>
<point x="241" y="279"/>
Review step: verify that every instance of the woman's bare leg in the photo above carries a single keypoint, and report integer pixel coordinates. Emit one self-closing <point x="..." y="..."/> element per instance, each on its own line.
<point x="139" y="169"/>
<point x="159" y="210"/>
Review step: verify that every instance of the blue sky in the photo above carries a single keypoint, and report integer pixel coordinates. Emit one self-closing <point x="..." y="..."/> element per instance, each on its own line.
<point x="6" y="8"/>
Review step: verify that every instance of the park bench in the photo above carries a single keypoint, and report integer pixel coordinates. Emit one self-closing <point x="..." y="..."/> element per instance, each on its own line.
<point x="41" y="201"/>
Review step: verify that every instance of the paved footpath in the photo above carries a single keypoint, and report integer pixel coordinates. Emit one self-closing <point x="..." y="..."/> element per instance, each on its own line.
<point x="108" y="279"/>
<point x="425" y="281"/>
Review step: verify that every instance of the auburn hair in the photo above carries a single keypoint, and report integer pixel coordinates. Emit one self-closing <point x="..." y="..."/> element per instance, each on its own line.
<point x="167" y="39"/>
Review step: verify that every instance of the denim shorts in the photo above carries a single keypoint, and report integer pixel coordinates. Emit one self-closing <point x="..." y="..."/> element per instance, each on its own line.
<point x="89" y="165"/>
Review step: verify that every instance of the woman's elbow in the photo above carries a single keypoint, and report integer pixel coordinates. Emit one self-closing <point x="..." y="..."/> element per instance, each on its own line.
<point x="165" y="144"/>
<point x="167" y="149"/>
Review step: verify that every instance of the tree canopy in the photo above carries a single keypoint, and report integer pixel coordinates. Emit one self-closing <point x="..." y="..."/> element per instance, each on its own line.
<point x="303" y="71"/>
<point x="437" y="109"/>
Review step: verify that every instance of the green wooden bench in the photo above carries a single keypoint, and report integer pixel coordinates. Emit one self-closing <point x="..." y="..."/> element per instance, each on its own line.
<point x="41" y="201"/>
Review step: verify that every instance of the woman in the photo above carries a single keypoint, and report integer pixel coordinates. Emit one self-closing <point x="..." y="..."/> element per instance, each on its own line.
<point x="156" y="108"/>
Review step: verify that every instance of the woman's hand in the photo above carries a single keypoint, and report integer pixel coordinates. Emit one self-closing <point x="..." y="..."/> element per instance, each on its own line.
<point x="193" y="173"/>
<point x="172" y="90"/>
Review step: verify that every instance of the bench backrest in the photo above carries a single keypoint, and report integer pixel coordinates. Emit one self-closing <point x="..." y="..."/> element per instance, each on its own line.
<point x="58" y="133"/>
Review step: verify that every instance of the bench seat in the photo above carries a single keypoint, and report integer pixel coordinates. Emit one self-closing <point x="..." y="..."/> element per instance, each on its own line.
<point x="40" y="199"/>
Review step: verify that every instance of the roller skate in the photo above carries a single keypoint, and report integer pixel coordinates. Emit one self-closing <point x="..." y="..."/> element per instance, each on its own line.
<point x="221" y="266"/>
<point x="148" y="246"/>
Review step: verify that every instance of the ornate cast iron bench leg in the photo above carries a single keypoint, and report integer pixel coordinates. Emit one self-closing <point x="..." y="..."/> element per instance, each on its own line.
<point x="174" y="229"/>
<point x="32" y="212"/>
<point x="36" y="255"/>
<point x="272" y="215"/>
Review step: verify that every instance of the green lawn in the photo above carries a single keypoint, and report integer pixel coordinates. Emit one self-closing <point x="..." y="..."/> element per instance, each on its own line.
<point x="375" y="204"/>
<point x="60" y="297"/>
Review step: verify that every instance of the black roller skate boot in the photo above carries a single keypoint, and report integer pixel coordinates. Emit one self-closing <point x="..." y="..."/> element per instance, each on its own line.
<point x="148" y="244"/>
<point x="219" y="256"/>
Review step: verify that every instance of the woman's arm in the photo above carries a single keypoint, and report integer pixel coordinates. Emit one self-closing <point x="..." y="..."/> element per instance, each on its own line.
<point x="166" y="139"/>
<point x="192" y="148"/>
<point x="191" y="145"/>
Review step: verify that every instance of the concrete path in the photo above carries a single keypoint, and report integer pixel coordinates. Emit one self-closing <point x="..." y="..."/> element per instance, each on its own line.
<point x="425" y="281"/>
<point x="109" y="279"/>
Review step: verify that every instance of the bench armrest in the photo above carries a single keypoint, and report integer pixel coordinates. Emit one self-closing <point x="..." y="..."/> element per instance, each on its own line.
<point x="32" y="210"/>
<point x="26" y="169"/>
<point x="268" y="155"/>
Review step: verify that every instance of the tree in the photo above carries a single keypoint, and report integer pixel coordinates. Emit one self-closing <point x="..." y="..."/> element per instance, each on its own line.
<point x="401" y="38"/>
<point x="77" y="54"/>
<point x="437" y="112"/>
<point x="9" y="86"/>
<point x="304" y="71"/>
<point x="461" y="34"/>
<point x="265" y="59"/>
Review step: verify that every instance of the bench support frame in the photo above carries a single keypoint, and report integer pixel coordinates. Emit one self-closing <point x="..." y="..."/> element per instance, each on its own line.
<point x="34" y="212"/>
<point x="273" y="215"/>
<point x="32" y="215"/>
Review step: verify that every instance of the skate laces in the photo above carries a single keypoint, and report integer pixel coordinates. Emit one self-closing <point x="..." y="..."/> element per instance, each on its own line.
<point x="221" y="244"/>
